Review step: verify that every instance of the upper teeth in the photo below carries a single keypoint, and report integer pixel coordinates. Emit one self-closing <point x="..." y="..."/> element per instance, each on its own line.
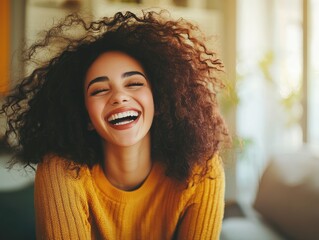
<point x="122" y="115"/>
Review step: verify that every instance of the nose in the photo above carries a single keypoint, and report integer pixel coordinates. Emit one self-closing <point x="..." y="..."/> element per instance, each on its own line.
<point x="119" y="97"/>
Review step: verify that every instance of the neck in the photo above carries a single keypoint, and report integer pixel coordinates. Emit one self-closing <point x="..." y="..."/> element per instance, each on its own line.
<point x="127" y="167"/>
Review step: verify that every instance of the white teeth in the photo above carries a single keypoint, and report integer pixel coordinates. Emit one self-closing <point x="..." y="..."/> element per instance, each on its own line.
<point x="124" y="122"/>
<point x="122" y="115"/>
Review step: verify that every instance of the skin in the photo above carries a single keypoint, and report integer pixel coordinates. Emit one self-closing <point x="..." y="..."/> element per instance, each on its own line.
<point x="116" y="83"/>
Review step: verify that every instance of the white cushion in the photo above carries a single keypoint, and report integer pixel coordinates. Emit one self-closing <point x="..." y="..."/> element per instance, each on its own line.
<point x="235" y="228"/>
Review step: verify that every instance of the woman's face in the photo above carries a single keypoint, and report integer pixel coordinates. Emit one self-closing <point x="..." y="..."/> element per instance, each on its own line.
<point x="119" y="99"/>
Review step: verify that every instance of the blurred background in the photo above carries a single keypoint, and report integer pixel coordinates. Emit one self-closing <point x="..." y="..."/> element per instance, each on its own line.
<point x="269" y="48"/>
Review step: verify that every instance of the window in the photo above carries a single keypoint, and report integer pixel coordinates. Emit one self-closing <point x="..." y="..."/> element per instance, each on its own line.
<point x="313" y="73"/>
<point x="271" y="65"/>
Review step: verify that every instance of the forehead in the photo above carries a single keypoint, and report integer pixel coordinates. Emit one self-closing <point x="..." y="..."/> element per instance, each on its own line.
<point x="113" y="62"/>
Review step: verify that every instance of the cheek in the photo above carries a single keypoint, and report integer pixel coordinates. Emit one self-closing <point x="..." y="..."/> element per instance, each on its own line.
<point x="94" y="109"/>
<point x="147" y="98"/>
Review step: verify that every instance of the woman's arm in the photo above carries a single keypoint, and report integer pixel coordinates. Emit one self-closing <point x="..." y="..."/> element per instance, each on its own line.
<point x="60" y="205"/>
<point x="203" y="218"/>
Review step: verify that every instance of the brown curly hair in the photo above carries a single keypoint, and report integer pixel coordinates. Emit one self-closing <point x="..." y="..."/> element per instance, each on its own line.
<point x="46" y="112"/>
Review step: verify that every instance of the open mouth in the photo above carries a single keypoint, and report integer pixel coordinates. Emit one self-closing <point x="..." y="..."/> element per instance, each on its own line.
<point x="123" y="118"/>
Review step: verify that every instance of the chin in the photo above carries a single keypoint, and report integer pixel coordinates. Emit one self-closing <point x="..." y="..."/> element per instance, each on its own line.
<point x="127" y="142"/>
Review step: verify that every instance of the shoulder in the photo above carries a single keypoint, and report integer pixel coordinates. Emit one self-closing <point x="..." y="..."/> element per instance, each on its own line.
<point x="206" y="180"/>
<point x="212" y="169"/>
<point x="216" y="166"/>
<point x="60" y="199"/>
<point x="58" y="181"/>
<point x="54" y="168"/>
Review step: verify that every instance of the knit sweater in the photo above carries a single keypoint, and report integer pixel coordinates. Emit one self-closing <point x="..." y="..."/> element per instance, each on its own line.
<point x="87" y="206"/>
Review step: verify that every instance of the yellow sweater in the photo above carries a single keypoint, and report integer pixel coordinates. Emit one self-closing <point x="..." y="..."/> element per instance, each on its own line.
<point x="89" y="207"/>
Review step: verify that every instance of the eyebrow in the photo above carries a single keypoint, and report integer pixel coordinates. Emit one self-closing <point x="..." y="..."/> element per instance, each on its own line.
<point x="98" y="79"/>
<point x="131" y="73"/>
<point x="105" y="78"/>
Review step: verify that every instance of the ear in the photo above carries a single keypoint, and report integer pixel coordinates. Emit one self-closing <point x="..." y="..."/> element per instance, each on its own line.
<point x="90" y="126"/>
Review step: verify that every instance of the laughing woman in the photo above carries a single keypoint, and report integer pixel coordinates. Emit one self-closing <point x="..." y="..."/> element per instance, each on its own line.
<point x="123" y="124"/>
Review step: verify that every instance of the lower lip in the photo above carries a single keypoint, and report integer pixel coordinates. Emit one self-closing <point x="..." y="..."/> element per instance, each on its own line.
<point x="125" y="126"/>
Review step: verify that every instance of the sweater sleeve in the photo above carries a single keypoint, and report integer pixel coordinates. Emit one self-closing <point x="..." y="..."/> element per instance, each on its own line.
<point x="202" y="220"/>
<point x="60" y="206"/>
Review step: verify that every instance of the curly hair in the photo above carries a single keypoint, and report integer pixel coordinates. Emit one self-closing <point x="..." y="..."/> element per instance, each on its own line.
<point x="46" y="112"/>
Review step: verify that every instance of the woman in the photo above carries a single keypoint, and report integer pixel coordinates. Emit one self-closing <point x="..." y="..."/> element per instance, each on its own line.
<point x="123" y="124"/>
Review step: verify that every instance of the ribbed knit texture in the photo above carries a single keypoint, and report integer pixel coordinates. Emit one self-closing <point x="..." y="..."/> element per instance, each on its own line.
<point x="87" y="206"/>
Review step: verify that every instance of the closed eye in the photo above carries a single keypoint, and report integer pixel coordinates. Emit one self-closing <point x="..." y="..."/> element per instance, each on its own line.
<point x="135" y="84"/>
<point x="98" y="91"/>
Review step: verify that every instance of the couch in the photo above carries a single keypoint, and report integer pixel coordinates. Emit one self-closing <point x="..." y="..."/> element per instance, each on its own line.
<point x="286" y="205"/>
